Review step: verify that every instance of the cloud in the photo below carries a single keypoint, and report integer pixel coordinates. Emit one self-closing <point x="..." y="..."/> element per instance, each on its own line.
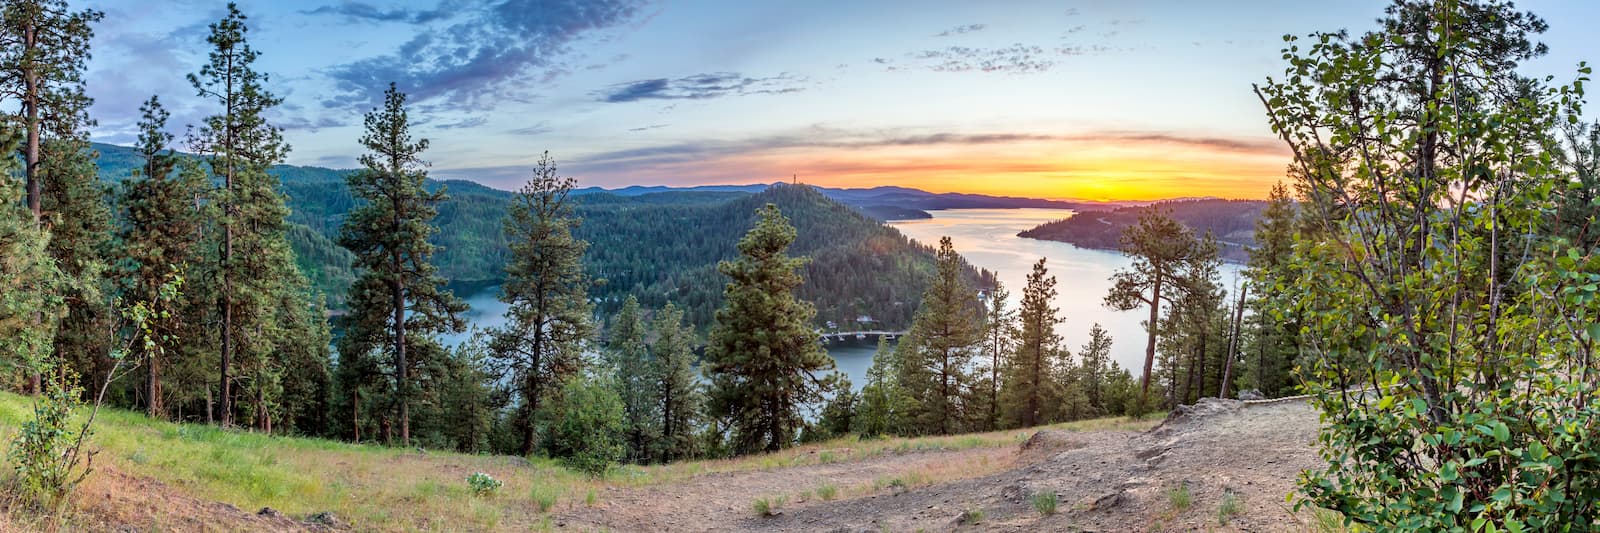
<point x="648" y="128"/>
<point x="700" y="86"/>
<point x="1017" y="59"/>
<point x="354" y="10"/>
<point x="309" y="124"/>
<point x="958" y="30"/>
<point x="494" y="52"/>
<point x="536" y="129"/>
<point x="465" y="123"/>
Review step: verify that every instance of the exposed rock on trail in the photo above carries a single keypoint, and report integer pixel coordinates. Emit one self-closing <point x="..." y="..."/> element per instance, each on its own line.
<point x="1105" y="481"/>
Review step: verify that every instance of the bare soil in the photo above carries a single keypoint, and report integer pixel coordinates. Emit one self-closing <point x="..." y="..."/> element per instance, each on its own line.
<point x="1105" y="481"/>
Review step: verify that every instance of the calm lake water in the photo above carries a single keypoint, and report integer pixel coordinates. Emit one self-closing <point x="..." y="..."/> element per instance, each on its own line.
<point x="988" y="239"/>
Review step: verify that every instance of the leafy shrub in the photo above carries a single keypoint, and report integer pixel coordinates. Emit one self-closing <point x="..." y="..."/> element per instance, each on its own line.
<point x="483" y="484"/>
<point x="587" y="434"/>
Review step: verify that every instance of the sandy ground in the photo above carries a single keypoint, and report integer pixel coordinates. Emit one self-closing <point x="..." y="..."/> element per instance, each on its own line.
<point x="1105" y="481"/>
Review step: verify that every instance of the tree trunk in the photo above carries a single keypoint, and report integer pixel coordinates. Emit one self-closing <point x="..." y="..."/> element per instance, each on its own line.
<point x="402" y="378"/>
<point x="30" y="101"/>
<point x="227" y="251"/>
<point x="153" y="386"/>
<point x="355" y="415"/>
<point x="1150" y="343"/>
<point x="1233" y="343"/>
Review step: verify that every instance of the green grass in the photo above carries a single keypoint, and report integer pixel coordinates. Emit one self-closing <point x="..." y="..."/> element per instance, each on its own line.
<point x="1229" y="507"/>
<point x="1045" y="502"/>
<point x="768" y="506"/>
<point x="971" y="516"/>
<point x="1179" y="497"/>
<point x="827" y="492"/>
<point x="381" y="488"/>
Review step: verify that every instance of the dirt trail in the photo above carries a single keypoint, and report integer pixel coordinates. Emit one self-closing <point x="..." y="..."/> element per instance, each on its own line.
<point x="1106" y="481"/>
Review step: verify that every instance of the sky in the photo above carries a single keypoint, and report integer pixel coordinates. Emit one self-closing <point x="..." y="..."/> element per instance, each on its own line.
<point x="1089" y="100"/>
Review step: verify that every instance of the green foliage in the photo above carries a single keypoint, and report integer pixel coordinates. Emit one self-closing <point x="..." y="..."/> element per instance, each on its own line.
<point x="42" y="457"/>
<point x="587" y="426"/>
<point x="1163" y="252"/>
<point x="763" y="357"/>
<point x="544" y="497"/>
<point x="1030" y="388"/>
<point x="1233" y="221"/>
<point x="999" y="340"/>
<point x="1179" y="497"/>
<point x="1274" y="343"/>
<point x="839" y="414"/>
<point x="398" y="304"/>
<point x="80" y="241"/>
<point x="828" y="492"/>
<point x="483" y="485"/>
<point x="1435" y="278"/>
<point x="678" y="390"/>
<point x="882" y="400"/>
<point x="936" y="355"/>
<point x="549" y="314"/>
<point x="629" y="359"/>
<point x="972" y="516"/>
<point x="1229" y="508"/>
<point x="768" y="505"/>
<point x="1044" y="502"/>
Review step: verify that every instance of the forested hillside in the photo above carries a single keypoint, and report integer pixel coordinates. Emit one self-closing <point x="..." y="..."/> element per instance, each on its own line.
<point x="1232" y="222"/>
<point x="659" y="246"/>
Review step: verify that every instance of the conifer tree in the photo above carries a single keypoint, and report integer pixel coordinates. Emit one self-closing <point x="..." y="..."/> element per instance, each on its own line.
<point x="763" y="358"/>
<point x="677" y="390"/>
<point x="399" y="300"/>
<point x="240" y="145"/>
<point x="29" y="281"/>
<point x="879" y="409"/>
<point x="44" y="47"/>
<point x="999" y="332"/>
<point x="1031" y="384"/>
<point x="1161" y="249"/>
<point x="1274" y="341"/>
<point x="838" y="415"/>
<point x="548" y="321"/>
<point x="940" y="346"/>
<point x="159" y="238"/>
<point x="629" y="357"/>
<point x="1095" y="364"/>
<point x="80" y="241"/>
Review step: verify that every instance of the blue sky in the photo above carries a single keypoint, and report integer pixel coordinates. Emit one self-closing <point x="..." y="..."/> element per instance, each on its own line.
<point x="1087" y="99"/>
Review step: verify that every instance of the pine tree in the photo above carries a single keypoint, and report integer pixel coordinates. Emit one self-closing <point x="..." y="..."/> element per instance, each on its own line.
<point x="1095" y="364"/>
<point x="999" y="335"/>
<point x="159" y="241"/>
<point x="80" y="230"/>
<point x="763" y="358"/>
<point x="940" y="347"/>
<point x="1274" y="340"/>
<point x="677" y="390"/>
<point x="879" y="410"/>
<point x="240" y="145"/>
<point x="630" y="358"/>
<point x="837" y="418"/>
<point x="44" y="47"/>
<point x="548" y="321"/>
<point x="1161" y="249"/>
<point x="30" y="300"/>
<point x="399" y="300"/>
<point x="1031" y="384"/>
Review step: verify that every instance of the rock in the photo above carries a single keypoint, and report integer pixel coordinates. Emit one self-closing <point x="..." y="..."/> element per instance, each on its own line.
<point x="269" y="512"/>
<point x="1251" y="395"/>
<point x="327" y="520"/>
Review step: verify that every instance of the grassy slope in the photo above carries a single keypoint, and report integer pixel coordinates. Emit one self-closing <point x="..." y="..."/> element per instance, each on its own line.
<point x="379" y="488"/>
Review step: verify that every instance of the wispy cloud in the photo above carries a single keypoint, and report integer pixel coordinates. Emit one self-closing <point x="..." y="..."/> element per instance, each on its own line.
<point x="648" y="128"/>
<point x="700" y="86"/>
<point x="1017" y="58"/>
<point x="492" y="53"/>
<point x="362" y="11"/>
<point x="962" y="29"/>
<point x="536" y="129"/>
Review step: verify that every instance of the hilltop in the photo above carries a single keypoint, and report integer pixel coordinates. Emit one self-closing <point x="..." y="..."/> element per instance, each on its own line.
<point x="1109" y="475"/>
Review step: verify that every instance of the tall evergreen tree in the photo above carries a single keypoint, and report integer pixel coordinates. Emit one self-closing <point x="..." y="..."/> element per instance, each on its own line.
<point x="80" y="241"/>
<point x="1095" y="364"/>
<point x="399" y="300"/>
<point x="548" y="321"/>
<point x="159" y="240"/>
<point x="1274" y="340"/>
<point x="629" y="357"/>
<point x="677" y="390"/>
<point x="1030" y="386"/>
<point x="30" y="299"/>
<point x="999" y="336"/>
<point x="763" y="358"/>
<point x="240" y="145"/>
<point x="1161" y="249"/>
<point x="879" y="411"/>
<point x="44" y="46"/>
<point x="940" y="347"/>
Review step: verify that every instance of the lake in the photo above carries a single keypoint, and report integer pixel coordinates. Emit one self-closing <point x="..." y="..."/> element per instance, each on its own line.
<point x="988" y="239"/>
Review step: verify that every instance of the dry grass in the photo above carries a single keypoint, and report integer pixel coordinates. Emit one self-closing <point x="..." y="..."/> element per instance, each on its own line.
<point x="379" y="488"/>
